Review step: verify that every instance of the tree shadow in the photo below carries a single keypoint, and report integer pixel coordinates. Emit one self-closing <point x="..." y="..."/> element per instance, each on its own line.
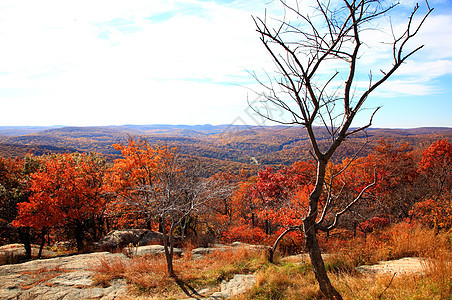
<point x="187" y="289"/>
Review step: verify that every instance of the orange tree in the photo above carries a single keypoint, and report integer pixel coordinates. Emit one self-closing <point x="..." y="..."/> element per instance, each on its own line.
<point x="396" y="171"/>
<point x="391" y="167"/>
<point x="391" y="176"/>
<point x="66" y="192"/>
<point x="219" y="213"/>
<point x="435" y="168"/>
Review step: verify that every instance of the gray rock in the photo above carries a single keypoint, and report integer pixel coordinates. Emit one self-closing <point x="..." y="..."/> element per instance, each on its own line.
<point x="150" y="249"/>
<point x="151" y="237"/>
<point x="249" y="246"/>
<point x="406" y="265"/>
<point x="58" y="278"/>
<point x="121" y="238"/>
<point x="239" y="284"/>
<point x="200" y="252"/>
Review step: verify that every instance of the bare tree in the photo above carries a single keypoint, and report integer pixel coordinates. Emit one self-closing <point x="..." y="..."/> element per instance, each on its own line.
<point x="318" y="58"/>
<point x="157" y="183"/>
<point x="177" y="192"/>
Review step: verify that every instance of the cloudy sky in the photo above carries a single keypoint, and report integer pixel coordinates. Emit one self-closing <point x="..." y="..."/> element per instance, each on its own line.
<point x="111" y="62"/>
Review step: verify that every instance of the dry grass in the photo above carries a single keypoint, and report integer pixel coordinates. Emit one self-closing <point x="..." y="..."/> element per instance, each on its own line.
<point x="147" y="274"/>
<point x="38" y="276"/>
<point x="280" y="282"/>
<point x="401" y="240"/>
<point x="295" y="279"/>
<point x="220" y="265"/>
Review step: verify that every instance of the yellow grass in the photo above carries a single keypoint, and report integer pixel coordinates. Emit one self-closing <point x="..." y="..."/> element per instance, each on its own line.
<point x="147" y="274"/>
<point x="294" y="279"/>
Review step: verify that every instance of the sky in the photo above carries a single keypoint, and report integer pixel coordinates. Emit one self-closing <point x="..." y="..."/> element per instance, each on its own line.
<point x="111" y="62"/>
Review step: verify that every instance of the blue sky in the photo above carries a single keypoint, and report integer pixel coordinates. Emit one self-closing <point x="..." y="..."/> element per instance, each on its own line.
<point x="111" y="62"/>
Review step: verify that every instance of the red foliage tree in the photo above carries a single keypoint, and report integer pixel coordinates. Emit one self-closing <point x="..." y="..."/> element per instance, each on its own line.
<point x="435" y="167"/>
<point x="67" y="191"/>
<point x="396" y="189"/>
<point x="269" y="202"/>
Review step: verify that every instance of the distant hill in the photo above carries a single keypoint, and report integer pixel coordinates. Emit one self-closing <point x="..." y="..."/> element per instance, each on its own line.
<point x="225" y="146"/>
<point x="22" y="130"/>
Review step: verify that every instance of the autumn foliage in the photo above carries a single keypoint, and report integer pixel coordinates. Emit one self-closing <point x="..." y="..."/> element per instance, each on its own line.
<point x="66" y="192"/>
<point x="80" y="197"/>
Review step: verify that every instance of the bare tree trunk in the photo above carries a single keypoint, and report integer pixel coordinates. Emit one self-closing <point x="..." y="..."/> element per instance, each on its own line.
<point x="272" y="250"/>
<point x="25" y="238"/>
<point x="312" y="244"/>
<point x="168" y="247"/>
<point x="160" y="225"/>
<point x="43" y="239"/>
<point x="79" y="233"/>
<point x="311" y="241"/>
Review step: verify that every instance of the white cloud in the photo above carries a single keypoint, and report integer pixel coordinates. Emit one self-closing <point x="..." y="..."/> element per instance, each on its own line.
<point x="176" y="61"/>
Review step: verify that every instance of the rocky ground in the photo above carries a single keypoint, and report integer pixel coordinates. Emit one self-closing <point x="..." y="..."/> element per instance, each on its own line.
<point x="405" y="265"/>
<point x="57" y="278"/>
<point x="70" y="277"/>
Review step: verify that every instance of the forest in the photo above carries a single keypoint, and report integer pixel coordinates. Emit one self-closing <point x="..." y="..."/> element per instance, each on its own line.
<point x="224" y="147"/>
<point x="87" y="197"/>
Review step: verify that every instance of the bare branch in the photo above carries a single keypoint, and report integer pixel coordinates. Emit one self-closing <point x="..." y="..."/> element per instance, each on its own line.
<point x="347" y="208"/>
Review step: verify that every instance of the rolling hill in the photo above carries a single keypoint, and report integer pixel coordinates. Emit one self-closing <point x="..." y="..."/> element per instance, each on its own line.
<point x="224" y="146"/>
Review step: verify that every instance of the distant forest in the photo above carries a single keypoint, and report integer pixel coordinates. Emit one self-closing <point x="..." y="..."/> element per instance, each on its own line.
<point x="222" y="148"/>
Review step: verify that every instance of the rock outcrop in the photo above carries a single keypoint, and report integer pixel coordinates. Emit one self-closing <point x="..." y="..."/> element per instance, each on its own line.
<point x="405" y="265"/>
<point x="239" y="284"/>
<point x="150" y="249"/>
<point x="66" y="277"/>
<point x="117" y="239"/>
<point x="13" y="253"/>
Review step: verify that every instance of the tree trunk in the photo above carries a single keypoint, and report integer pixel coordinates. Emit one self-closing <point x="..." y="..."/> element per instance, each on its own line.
<point x="272" y="250"/>
<point x="168" y="245"/>
<point x="95" y="227"/>
<point x="24" y="235"/>
<point x="312" y="244"/>
<point x="310" y="233"/>
<point x="43" y="239"/>
<point x="79" y="235"/>
<point x="160" y="224"/>
<point x="183" y="228"/>
<point x="108" y="225"/>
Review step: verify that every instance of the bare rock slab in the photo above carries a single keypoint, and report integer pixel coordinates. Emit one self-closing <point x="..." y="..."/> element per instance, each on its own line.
<point x="150" y="249"/>
<point x="407" y="265"/>
<point x="67" y="277"/>
<point x="239" y="284"/>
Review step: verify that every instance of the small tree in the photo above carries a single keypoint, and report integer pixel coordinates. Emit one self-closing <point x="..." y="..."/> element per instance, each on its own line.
<point x="160" y="185"/>
<point x="317" y="59"/>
